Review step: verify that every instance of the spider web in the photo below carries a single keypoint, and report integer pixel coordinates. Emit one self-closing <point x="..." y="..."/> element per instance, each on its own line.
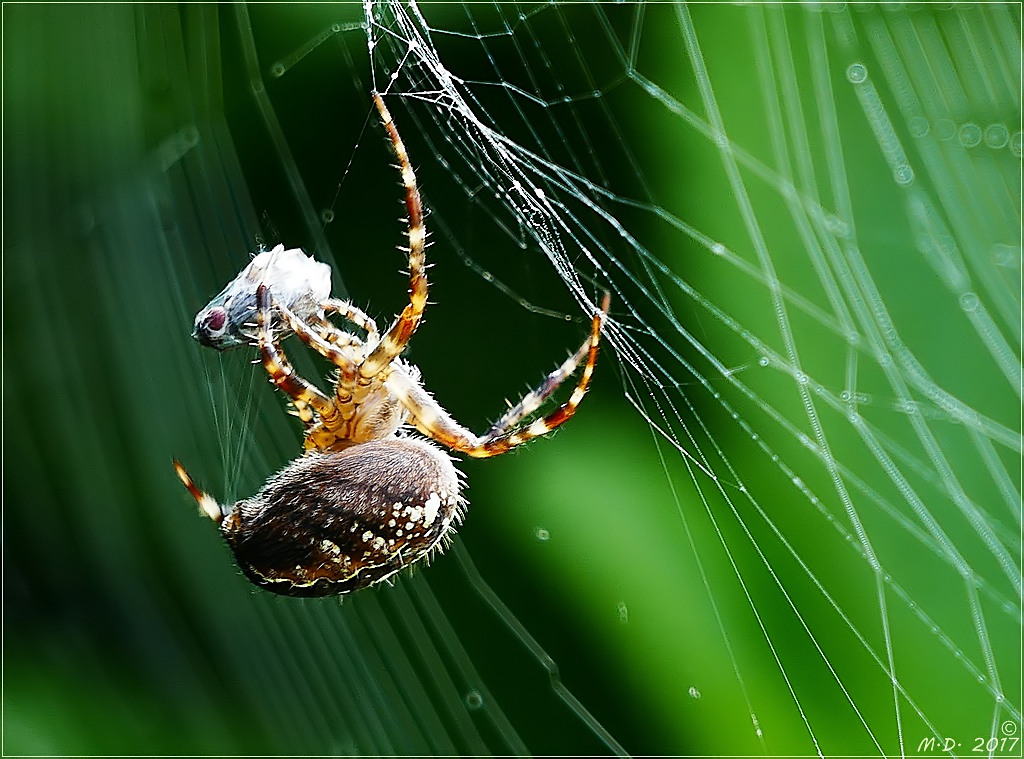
<point x="808" y="218"/>
<point x="787" y="519"/>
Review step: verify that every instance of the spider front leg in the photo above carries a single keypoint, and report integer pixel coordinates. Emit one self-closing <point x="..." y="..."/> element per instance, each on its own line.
<point x="331" y="350"/>
<point x="434" y="421"/>
<point x="303" y="393"/>
<point x="350" y="313"/>
<point x="394" y="342"/>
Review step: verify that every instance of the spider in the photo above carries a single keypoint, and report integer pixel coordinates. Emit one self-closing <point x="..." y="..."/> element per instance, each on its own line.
<point x="366" y="498"/>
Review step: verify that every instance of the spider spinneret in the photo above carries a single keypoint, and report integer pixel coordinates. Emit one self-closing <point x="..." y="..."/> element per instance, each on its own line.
<point x="366" y="499"/>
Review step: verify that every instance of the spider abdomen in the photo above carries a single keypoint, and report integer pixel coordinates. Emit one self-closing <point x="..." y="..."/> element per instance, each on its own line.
<point x="336" y="522"/>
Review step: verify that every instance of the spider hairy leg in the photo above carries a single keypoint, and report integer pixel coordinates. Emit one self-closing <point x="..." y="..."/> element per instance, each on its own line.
<point x="394" y="342"/>
<point x="280" y="371"/>
<point x="207" y="503"/>
<point x="303" y="412"/>
<point x="331" y="351"/>
<point x="504" y="441"/>
<point x="434" y="421"/>
<point x="536" y="397"/>
<point x="353" y="314"/>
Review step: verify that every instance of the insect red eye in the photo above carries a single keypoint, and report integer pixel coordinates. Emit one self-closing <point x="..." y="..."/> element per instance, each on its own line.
<point x="215" y="320"/>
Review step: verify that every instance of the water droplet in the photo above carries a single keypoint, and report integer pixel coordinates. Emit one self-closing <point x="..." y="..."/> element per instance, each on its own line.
<point x="969" y="302"/>
<point x="277" y="69"/>
<point x="694" y="693"/>
<point x="903" y="174"/>
<point x="542" y="534"/>
<point x="970" y="135"/>
<point x="188" y="137"/>
<point x="763" y="361"/>
<point x="802" y="378"/>
<point x="1005" y="255"/>
<point x="327" y="215"/>
<point x="945" y="244"/>
<point x="906" y="406"/>
<point x="1015" y="144"/>
<point x="945" y="129"/>
<point x="718" y="249"/>
<point x="918" y="126"/>
<point x="335" y="28"/>
<point x="997" y="136"/>
<point x="474" y="700"/>
<point x="623" y="612"/>
<point x="857" y="73"/>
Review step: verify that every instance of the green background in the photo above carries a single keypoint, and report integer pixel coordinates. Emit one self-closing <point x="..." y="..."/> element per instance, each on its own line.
<point x="138" y="170"/>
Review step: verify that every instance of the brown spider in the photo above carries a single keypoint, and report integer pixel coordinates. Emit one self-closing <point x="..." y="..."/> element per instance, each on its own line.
<point x="366" y="500"/>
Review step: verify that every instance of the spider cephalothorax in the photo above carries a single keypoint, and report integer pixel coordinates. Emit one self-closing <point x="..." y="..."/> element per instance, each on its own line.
<point x="366" y="499"/>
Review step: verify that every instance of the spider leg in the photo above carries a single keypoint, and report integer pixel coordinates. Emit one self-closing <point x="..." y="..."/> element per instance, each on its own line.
<point x="280" y="370"/>
<point x="338" y="337"/>
<point x="396" y="338"/>
<point x="329" y="350"/>
<point x="533" y="400"/>
<point x="434" y="421"/>
<point x="353" y="314"/>
<point x="304" y="412"/>
<point x="207" y="503"/>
